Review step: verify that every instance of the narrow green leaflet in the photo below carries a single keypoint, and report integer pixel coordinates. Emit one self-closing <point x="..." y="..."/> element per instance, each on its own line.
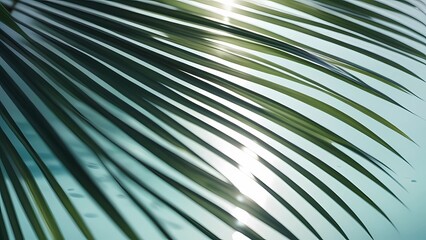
<point x="233" y="116"/>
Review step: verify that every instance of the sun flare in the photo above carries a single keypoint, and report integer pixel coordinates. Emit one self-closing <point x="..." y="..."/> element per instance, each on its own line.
<point x="227" y="7"/>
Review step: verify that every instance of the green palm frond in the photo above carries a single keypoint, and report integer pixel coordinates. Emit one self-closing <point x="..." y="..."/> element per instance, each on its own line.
<point x="188" y="114"/>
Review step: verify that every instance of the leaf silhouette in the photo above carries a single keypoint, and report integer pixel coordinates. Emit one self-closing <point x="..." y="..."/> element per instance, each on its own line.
<point x="196" y="105"/>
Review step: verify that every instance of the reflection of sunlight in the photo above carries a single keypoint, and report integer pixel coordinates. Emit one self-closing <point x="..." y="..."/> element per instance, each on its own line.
<point x="240" y="198"/>
<point x="246" y="171"/>
<point x="227" y="7"/>
<point x="241" y="215"/>
<point x="239" y="236"/>
<point x="249" y="162"/>
<point x="250" y="153"/>
<point x="243" y="179"/>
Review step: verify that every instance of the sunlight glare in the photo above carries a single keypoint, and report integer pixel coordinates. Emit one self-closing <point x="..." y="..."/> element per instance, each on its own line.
<point x="249" y="162"/>
<point x="243" y="180"/>
<point x="239" y="236"/>
<point x="250" y="153"/>
<point x="241" y="215"/>
<point x="227" y="7"/>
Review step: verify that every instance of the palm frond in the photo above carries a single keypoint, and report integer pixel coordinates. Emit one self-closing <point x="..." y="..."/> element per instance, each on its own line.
<point x="211" y="109"/>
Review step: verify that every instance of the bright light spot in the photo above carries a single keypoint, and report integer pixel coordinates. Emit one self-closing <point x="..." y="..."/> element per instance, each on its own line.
<point x="240" y="198"/>
<point x="248" y="162"/>
<point x="227" y="7"/>
<point x="239" y="236"/>
<point x="246" y="171"/>
<point x="241" y="215"/>
<point x="243" y="179"/>
<point x="250" y="153"/>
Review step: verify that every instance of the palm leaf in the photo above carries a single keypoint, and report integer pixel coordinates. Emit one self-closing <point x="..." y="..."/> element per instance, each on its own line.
<point x="203" y="107"/>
